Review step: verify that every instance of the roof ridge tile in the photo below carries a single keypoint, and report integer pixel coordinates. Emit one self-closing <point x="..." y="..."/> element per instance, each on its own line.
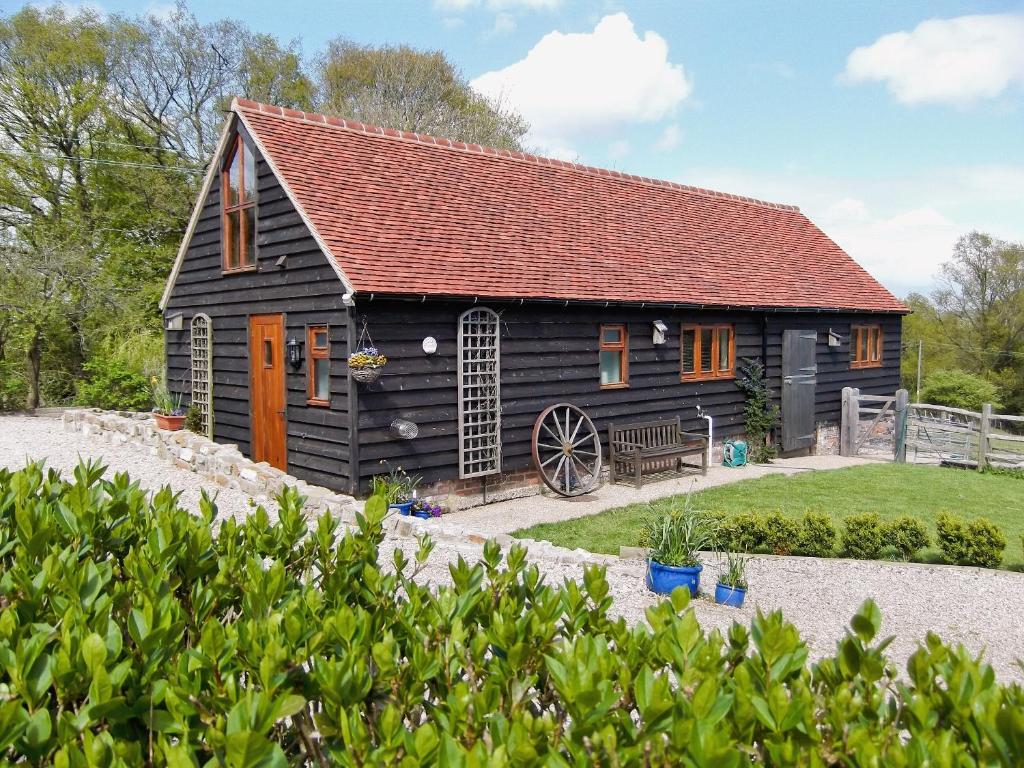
<point x="317" y="118"/>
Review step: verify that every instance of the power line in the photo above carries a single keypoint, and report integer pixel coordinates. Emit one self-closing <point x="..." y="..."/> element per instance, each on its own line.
<point x="962" y="348"/>
<point x="100" y="161"/>
<point x="107" y="143"/>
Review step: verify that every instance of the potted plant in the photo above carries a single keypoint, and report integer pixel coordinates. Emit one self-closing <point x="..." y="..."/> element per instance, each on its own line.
<point x="424" y="509"/>
<point x="675" y="538"/>
<point x="167" y="408"/>
<point x="366" y="364"/>
<point x="731" y="588"/>
<point x="398" y="488"/>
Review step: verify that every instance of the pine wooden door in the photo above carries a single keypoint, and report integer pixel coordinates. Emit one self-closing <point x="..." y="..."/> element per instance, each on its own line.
<point x="267" y="393"/>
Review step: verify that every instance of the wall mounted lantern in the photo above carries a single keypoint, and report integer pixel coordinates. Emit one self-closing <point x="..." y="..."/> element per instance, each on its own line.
<point x="660" y="330"/>
<point x="294" y="348"/>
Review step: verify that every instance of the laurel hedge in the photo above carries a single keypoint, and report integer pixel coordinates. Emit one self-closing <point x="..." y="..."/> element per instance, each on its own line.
<point x="135" y="633"/>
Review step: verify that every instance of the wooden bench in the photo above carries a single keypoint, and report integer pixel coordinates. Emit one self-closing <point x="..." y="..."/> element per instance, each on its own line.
<point x="653" y="444"/>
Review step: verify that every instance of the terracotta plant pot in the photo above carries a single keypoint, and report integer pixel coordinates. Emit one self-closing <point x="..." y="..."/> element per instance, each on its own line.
<point x="172" y="423"/>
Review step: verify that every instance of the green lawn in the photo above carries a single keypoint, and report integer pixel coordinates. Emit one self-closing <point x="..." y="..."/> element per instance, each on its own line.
<point x="888" y="489"/>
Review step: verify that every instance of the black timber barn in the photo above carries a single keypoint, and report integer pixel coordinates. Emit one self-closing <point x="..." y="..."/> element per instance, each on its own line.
<point x="313" y="236"/>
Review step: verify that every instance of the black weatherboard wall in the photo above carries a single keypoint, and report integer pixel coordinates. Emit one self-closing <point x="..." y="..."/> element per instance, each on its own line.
<point x="306" y="290"/>
<point x="549" y="353"/>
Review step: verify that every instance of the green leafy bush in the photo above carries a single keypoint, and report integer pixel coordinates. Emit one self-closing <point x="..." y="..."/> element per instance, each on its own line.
<point x="134" y="633"/>
<point x="907" y="535"/>
<point x="779" y="533"/>
<point x="959" y="389"/>
<point x="817" y="537"/>
<point x="761" y="414"/>
<point x="976" y="542"/>
<point x="111" y="385"/>
<point x="862" y="536"/>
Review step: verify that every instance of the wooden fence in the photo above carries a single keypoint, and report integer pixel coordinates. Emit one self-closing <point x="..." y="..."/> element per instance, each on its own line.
<point x="930" y="433"/>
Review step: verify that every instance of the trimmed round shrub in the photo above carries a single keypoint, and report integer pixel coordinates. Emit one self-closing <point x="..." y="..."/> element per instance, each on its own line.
<point x="978" y="542"/>
<point x="741" y="533"/>
<point x="817" y="537"/>
<point x="779" y="533"/>
<point x="907" y="534"/>
<point x="862" y="536"/>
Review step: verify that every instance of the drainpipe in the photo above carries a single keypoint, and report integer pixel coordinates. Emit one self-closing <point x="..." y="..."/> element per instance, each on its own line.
<point x="701" y="413"/>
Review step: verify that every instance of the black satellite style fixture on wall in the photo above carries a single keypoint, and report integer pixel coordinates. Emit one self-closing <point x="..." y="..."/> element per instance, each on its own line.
<point x="294" y="347"/>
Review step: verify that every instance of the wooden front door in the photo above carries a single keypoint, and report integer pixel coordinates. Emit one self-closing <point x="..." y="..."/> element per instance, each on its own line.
<point x="799" y="385"/>
<point x="267" y="395"/>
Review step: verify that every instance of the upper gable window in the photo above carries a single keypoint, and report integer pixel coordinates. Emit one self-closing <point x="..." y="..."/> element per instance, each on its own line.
<point x="238" y="193"/>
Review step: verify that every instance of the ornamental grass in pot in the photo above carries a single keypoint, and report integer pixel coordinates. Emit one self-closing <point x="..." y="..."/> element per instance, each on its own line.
<point x="731" y="588"/>
<point x="675" y="538"/>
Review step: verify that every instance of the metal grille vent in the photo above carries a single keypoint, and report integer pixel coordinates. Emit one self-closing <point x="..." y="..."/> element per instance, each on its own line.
<point x="202" y="370"/>
<point x="479" y="394"/>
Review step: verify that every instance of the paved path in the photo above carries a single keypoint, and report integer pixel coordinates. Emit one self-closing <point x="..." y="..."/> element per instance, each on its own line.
<point x="508" y="516"/>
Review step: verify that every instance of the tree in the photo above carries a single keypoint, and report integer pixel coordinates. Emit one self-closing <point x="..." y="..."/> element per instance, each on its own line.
<point x="979" y="308"/>
<point x="273" y="74"/>
<point x="420" y="91"/>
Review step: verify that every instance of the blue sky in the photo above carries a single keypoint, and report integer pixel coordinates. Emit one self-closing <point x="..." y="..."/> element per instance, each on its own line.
<point x="895" y="126"/>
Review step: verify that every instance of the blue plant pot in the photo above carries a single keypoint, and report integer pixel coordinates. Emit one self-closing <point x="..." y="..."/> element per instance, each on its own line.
<point x="403" y="507"/>
<point x="731" y="596"/>
<point x="664" y="578"/>
<point x="422" y="514"/>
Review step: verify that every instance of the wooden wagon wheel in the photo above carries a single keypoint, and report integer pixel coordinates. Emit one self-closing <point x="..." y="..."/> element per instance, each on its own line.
<point x="566" y="450"/>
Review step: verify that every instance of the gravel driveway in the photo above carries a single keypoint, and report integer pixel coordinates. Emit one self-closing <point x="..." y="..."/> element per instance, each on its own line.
<point x="982" y="609"/>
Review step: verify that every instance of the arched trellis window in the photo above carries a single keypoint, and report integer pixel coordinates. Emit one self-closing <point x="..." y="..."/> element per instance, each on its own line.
<point x="202" y="370"/>
<point x="479" y="381"/>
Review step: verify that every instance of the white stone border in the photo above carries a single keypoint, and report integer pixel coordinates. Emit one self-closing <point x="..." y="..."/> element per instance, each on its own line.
<point x="224" y="465"/>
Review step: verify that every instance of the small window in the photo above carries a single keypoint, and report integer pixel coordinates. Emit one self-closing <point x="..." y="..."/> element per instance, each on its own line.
<point x="708" y="352"/>
<point x="318" y="353"/>
<point x="614" y="357"/>
<point x="865" y="346"/>
<point x="238" y="193"/>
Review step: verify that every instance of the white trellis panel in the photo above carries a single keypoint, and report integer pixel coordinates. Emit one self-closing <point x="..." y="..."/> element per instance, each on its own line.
<point x="479" y="381"/>
<point x="202" y="369"/>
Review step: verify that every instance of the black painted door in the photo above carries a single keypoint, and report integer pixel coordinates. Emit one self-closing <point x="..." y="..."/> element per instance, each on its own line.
<point x="799" y="382"/>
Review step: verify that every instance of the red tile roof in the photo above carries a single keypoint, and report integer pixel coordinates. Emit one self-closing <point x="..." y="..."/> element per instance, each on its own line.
<point x="403" y="213"/>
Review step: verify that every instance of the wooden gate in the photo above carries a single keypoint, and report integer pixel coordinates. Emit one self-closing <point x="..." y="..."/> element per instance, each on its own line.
<point x="874" y="425"/>
<point x="799" y="385"/>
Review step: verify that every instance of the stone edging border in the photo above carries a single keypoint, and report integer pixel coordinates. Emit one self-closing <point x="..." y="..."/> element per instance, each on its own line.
<point x="223" y="464"/>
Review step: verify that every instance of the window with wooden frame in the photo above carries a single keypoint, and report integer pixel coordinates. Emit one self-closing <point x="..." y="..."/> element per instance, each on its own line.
<point x="238" y="205"/>
<point x="318" y="365"/>
<point x="865" y="346"/>
<point x="707" y="352"/>
<point x="614" y="357"/>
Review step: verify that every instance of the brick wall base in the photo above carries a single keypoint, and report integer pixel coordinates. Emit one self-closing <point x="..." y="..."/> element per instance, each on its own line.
<point x="826" y="441"/>
<point x="461" y="494"/>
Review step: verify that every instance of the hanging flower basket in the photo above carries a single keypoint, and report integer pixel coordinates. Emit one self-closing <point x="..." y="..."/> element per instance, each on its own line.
<point x="366" y="375"/>
<point x="367" y="362"/>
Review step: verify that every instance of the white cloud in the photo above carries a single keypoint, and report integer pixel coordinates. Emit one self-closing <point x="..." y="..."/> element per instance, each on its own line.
<point x="454" y="5"/>
<point x="571" y="85"/>
<point x="669" y="138"/>
<point x="900" y="229"/>
<point x="953" y="61"/>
